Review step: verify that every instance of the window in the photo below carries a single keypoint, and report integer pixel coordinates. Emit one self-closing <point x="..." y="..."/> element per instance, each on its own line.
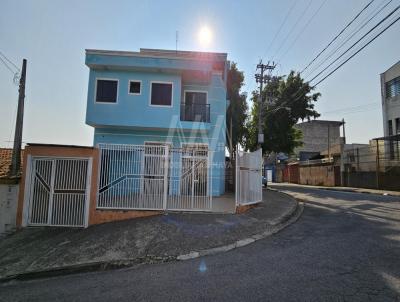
<point x="195" y="97"/>
<point x="135" y="87"/>
<point x="393" y="87"/>
<point x="397" y="122"/>
<point x="161" y="94"/>
<point x="106" y="91"/>
<point x="390" y="127"/>
<point x="195" y="107"/>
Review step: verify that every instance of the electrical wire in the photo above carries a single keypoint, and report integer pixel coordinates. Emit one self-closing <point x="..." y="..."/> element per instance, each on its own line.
<point x="292" y="28"/>
<point x="280" y="27"/>
<point x="358" y="51"/>
<point x="302" y="30"/>
<point x="348" y="37"/>
<point x="6" y="65"/>
<point x="337" y="36"/>
<point x="8" y="60"/>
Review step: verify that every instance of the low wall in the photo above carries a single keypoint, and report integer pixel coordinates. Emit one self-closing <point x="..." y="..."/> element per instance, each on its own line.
<point x="8" y="207"/>
<point x="95" y="216"/>
<point x="386" y="181"/>
<point x="317" y="175"/>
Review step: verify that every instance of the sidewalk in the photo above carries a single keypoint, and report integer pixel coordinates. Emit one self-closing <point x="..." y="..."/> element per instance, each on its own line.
<point x="34" y="252"/>
<point x="343" y="189"/>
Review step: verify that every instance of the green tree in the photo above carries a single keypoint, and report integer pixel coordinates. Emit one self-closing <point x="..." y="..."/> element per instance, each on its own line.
<point x="237" y="111"/>
<point x="293" y="100"/>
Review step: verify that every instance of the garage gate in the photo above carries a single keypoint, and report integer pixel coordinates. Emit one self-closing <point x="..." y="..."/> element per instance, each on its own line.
<point x="59" y="191"/>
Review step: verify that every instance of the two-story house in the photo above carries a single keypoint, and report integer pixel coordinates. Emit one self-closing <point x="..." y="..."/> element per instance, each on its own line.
<point x="155" y="98"/>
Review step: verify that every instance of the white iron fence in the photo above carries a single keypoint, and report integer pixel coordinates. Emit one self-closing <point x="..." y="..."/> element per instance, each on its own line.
<point x="248" y="177"/>
<point x="154" y="176"/>
<point x="59" y="191"/>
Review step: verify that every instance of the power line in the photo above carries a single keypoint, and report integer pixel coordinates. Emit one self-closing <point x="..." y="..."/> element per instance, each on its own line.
<point x="354" y="44"/>
<point x="358" y="51"/>
<point x="8" y="60"/>
<point x="302" y="30"/>
<point x="292" y="28"/>
<point x="6" y="65"/>
<point x="337" y="36"/>
<point x="348" y="37"/>
<point x="280" y="27"/>
<point x="352" y="108"/>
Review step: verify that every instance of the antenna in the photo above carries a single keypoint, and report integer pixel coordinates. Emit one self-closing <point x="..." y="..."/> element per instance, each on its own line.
<point x="176" y="41"/>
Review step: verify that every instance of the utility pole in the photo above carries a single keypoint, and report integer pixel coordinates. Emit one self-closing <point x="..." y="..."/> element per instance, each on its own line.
<point x="16" y="155"/>
<point x="262" y="79"/>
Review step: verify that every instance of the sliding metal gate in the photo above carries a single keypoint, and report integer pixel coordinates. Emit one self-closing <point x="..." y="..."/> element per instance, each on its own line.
<point x="59" y="192"/>
<point x="153" y="177"/>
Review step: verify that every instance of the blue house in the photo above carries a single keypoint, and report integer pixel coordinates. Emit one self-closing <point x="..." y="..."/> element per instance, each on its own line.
<point x="156" y="102"/>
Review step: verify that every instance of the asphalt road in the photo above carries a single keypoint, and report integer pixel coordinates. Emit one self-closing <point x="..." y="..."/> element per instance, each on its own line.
<point x="345" y="247"/>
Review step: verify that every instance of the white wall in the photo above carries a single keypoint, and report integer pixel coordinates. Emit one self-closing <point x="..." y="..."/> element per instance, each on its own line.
<point x="8" y="207"/>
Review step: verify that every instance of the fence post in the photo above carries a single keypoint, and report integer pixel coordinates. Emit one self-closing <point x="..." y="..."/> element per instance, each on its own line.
<point x="377" y="164"/>
<point x="166" y="159"/>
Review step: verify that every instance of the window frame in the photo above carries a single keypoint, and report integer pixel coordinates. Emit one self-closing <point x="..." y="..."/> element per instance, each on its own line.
<point x="95" y="91"/>
<point x="172" y="94"/>
<point x="129" y="87"/>
<point x="190" y="90"/>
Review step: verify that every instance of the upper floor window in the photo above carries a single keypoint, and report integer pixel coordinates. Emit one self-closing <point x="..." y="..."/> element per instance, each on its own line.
<point x="393" y="87"/>
<point x="106" y="91"/>
<point x="135" y="87"/>
<point x="161" y="94"/>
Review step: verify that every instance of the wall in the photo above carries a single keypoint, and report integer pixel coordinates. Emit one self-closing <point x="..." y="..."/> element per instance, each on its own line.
<point x="315" y="135"/>
<point x="214" y="136"/>
<point x="317" y="175"/>
<point x="95" y="216"/>
<point x="8" y="207"/>
<point x="390" y="106"/>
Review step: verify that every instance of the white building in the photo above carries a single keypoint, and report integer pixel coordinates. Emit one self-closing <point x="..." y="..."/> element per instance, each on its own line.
<point x="390" y="90"/>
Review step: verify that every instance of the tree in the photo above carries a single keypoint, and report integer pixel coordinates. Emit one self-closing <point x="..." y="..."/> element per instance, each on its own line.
<point x="237" y="111"/>
<point x="293" y="100"/>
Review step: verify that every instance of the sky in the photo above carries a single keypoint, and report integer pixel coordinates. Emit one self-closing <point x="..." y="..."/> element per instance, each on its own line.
<point x="53" y="35"/>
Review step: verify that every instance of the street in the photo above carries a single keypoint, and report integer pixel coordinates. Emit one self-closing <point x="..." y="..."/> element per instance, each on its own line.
<point x="345" y="247"/>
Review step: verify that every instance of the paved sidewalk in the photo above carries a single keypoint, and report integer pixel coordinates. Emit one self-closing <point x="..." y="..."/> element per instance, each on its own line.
<point x="343" y="189"/>
<point x="154" y="239"/>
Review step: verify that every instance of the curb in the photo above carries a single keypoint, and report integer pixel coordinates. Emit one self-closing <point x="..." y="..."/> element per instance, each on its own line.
<point x="292" y="216"/>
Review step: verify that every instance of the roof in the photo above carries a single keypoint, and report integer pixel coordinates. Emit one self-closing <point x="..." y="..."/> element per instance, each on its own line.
<point x="58" y="145"/>
<point x="394" y="65"/>
<point x="336" y="123"/>
<point x="163" y="53"/>
<point x="5" y="161"/>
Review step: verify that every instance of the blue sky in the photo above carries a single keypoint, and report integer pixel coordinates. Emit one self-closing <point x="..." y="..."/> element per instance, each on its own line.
<point x="53" y="35"/>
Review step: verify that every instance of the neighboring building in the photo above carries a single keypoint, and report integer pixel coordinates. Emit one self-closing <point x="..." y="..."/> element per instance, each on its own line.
<point x="8" y="193"/>
<point x="318" y="136"/>
<point x="390" y="91"/>
<point x="160" y="97"/>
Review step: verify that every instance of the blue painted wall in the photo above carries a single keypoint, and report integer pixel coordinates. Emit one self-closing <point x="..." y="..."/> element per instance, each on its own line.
<point x="133" y="121"/>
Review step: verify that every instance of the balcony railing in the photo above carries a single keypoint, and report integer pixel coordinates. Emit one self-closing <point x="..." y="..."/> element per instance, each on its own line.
<point x="195" y="112"/>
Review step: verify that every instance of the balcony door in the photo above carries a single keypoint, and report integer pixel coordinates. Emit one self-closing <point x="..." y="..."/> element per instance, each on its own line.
<point x="196" y="106"/>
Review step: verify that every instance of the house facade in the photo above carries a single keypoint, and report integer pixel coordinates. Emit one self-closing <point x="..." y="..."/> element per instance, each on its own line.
<point x="160" y="98"/>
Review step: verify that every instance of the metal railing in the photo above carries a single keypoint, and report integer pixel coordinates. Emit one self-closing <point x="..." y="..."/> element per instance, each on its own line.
<point x="195" y="112"/>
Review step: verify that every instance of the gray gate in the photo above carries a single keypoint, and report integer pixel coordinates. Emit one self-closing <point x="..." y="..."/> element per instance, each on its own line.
<point x="59" y="192"/>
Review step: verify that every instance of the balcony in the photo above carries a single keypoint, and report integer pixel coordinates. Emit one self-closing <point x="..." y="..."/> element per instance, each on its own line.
<point x="195" y="112"/>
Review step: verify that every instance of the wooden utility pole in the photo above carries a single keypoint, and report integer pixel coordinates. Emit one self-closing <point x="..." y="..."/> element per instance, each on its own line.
<point x="16" y="154"/>
<point x="261" y="78"/>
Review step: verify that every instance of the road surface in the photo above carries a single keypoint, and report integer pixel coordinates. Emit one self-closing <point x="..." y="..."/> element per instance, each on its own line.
<point x="345" y="247"/>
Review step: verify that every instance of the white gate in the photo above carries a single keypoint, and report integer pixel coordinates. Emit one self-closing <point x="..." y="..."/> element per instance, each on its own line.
<point x="153" y="177"/>
<point x="59" y="192"/>
<point x="248" y="177"/>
